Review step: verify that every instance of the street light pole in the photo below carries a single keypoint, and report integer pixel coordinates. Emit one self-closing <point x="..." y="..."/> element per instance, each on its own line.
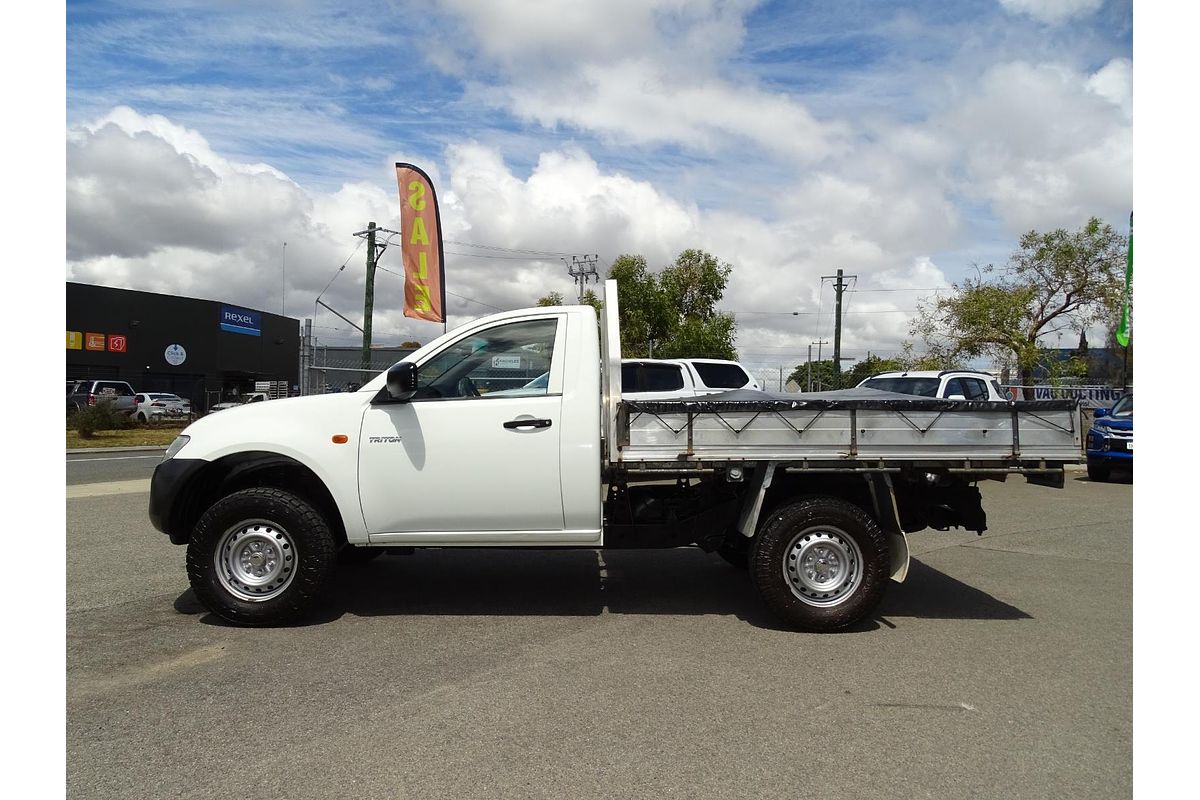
<point x="283" y="282"/>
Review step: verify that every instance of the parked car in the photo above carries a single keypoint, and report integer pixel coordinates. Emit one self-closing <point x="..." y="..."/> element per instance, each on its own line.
<point x="948" y="384"/>
<point x="665" y="379"/>
<point x="538" y="385"/>
<point x="83" y="393"/>
<point x="1110" y="440"/>
<point x="152" y="407"/>
<point x="253" y="397"/>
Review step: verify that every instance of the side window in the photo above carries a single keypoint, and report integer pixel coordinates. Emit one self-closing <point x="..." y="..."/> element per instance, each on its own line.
<point x="721" y="376"/>
<point x="499" y="361"/>
<point x="953" y="386"/>
<point x="651" y="378"/>
<point x="630" y="378"/>
<point x="976" y="389"/>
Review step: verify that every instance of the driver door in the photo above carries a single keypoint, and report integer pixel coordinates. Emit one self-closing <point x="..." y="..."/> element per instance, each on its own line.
<point x="475" y="453"/>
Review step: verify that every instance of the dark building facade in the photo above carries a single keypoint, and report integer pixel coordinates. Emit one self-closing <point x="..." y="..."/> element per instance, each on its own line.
<point x="203" y="350"/>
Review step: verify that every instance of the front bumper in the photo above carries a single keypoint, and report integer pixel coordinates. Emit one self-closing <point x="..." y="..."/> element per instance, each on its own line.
<point x="166" y="495"/>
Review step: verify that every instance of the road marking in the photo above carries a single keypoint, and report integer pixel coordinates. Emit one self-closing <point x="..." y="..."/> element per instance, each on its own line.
<point x="107" y="488"/>
<point x="110" y="458"/>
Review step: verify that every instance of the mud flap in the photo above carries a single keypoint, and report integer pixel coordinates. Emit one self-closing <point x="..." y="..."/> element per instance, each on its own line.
<point x="888" y="515"/>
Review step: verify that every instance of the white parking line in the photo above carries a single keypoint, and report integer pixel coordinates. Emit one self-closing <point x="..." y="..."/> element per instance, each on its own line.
<point x="110" y="458"/>
<point x="107" y="488"/>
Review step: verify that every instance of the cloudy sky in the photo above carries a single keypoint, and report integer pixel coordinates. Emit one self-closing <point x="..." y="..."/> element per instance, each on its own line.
<point x="903" y="142"/>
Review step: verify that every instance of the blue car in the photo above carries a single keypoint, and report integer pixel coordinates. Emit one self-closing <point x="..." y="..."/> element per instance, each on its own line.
<point x="1110" y="441"/>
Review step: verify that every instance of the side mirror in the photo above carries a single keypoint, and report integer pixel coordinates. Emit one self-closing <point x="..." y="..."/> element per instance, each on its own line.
<point x="402" y="381"/>
<point x="956" y="397"/>
<point x="1101" y="412"/>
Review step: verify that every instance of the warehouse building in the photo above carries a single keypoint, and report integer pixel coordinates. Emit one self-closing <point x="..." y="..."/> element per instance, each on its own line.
<point x="204" y="350"/>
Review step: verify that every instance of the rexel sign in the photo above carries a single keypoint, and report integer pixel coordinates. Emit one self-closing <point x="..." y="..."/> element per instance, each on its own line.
<point x="241" y="320"/>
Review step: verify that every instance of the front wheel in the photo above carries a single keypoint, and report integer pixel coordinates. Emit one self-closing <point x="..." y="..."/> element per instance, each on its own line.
<point x="260" y="557"/>
<point x="820" y="564"/>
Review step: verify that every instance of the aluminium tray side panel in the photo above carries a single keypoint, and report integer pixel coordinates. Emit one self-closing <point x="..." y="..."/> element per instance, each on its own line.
<point x="841" y="431"/>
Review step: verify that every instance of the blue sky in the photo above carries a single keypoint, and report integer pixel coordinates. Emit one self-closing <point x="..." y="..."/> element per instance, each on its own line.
<point x="902" y="142"/>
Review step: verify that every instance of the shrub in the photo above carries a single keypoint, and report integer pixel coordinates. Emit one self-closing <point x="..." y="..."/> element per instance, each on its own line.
<point x="100" y="417"/>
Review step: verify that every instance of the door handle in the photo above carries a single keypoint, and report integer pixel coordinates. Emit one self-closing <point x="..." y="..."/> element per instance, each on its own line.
<point x="514" y="424"/>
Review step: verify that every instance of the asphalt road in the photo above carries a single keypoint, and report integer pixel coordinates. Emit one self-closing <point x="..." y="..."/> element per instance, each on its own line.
<point x="104" y="467"/>
<point x="1001" y="668"/>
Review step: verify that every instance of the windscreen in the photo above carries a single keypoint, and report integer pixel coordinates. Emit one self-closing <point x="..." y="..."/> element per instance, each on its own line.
<point x="925" y="387"/>
<point x="1124" y="407"/>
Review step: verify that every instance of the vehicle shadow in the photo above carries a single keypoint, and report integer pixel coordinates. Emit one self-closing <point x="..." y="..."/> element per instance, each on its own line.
<point x="683" y="581"/>
<point x="1117" y="475"/>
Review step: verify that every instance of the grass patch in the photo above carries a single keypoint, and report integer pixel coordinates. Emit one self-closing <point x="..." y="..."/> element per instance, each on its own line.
<point x="130" y="437"/>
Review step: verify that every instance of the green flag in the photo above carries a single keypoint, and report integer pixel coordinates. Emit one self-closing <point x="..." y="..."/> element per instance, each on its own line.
<point x="1123" y="331"/>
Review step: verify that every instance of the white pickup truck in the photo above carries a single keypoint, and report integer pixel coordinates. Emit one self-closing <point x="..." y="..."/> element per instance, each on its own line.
<point x="813" y="493"/>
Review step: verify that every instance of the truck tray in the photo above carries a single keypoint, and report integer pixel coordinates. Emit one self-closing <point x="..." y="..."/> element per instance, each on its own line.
<point x="851" y="425"/>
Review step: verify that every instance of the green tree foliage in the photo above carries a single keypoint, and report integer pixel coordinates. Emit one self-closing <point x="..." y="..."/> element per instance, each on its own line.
<point x="824" y="379"/>
<point x="871" y="365"/>
<point x="589" y="299"/>
<point x="1054" y="282"/>
<point x="672" y="313"/>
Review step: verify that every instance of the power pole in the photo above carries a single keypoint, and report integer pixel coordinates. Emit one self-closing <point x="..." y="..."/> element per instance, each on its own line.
<point x="374" y="251"/>
<point x="582" y="268"/>
<point x="839" y="286"/>
<point x="818" y="343"/>
<point x="369" y="301"/>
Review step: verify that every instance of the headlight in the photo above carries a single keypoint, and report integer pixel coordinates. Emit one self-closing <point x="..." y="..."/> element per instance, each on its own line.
<point x="176" y="446"/>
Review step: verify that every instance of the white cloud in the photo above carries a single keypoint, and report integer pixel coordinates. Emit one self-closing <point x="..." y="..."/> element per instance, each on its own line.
<point x="1052" y="12"/>
<point x="1044" y="145"/>
<point x="638" y="73"/>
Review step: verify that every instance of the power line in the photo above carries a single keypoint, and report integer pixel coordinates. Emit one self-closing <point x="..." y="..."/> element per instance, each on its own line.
<point x="505" y="249"/>
<point x="502" y="258"/>
<point x="818" y="313"/>
<point x="456" y="294"/>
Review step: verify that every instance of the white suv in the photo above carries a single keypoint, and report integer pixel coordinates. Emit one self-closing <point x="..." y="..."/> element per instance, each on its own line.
<point x="948" y="384"/>
<point x="668" y="379"/>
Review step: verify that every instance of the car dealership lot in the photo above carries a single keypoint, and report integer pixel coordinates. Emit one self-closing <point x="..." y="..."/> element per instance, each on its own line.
<point x="1002" y="668"/>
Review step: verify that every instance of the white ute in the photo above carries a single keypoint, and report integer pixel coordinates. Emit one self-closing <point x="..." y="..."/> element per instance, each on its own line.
<point x="814" y="494"/>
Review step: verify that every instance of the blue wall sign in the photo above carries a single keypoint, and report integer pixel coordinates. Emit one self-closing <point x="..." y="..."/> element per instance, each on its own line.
<point x="241" y="320"/>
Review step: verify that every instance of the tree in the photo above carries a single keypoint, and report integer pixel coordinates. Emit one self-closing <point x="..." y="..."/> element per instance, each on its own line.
<point x="672" y="314"/>
<point x="589" y="299"/>
<point x="822" y="375"/>
<point x="1055" y="281"/>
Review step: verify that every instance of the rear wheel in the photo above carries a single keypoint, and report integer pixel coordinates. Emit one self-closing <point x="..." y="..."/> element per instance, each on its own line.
<point x="820" y="564"/>
<point x="260" y="557"/>
<point x="1097" y="470"/>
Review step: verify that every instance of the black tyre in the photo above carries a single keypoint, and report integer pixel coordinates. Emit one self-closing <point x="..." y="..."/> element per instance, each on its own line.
<point x="821" y="564"/>
<point x="350" y="555"/>
<point x="736" y="550"/>
<point x="1098" y="471"/>
<point x="260" y="557"/>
